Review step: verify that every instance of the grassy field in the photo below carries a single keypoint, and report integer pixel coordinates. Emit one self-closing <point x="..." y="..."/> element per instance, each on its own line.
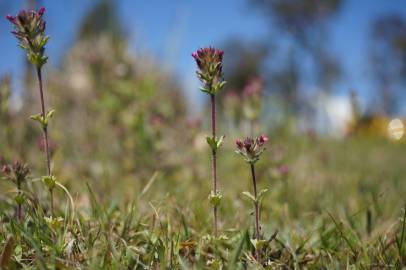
<point x="339" y="206"/>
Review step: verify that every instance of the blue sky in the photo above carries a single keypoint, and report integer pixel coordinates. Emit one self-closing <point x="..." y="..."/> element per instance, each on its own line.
<point x="171" y="30"/>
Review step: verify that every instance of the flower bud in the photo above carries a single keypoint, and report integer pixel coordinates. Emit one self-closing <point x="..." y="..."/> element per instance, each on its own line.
<point x="239" y="144"/>
<point x="261" y="140"/>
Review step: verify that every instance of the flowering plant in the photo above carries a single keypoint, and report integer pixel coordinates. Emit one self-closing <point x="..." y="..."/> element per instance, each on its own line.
<point x="29" y="29"/>
<point x="210" y="72"/>
<point x="250" y="148"/>
<point x="210" y="69"/>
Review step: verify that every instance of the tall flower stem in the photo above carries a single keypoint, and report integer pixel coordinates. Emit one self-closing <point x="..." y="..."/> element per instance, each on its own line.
<point x="257" y="229"/>
<point x="210" y="63"/>
<point x="214" y="158"/>
<point x="45" y="132"/>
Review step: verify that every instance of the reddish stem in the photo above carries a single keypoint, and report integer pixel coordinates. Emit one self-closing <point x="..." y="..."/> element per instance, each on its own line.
<point x="257" y="228"/>
<point x="45" y="131"/>
<point x="214" y="157"/>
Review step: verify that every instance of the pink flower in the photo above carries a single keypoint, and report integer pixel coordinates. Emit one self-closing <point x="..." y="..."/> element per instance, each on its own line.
<point x="41" y="11"/>
<point x="12" y="19"/>
<point x="5" y="169"/>
<point x="42" y="145"/>
<point x="239" y="144"/>
<point x="253" y="87"/>
<point x="251" y="148"/>
<point x="283" y="170"/>
<point x="262" y="139"/>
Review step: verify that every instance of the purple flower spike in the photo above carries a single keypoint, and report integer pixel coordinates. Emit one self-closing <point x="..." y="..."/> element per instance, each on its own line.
<point x="29" y="29"/>
<point x="210" y="68"/>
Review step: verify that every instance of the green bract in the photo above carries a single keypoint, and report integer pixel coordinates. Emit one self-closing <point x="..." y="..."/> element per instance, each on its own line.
<point x="215" y="142"/>
<point x="49" y="181"/>
<point x="43" y="121"/>
<point x="215" y="198"/>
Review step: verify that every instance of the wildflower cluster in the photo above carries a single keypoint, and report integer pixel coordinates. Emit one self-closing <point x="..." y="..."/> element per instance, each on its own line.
<point x="210" y="69"/>
<point x="29" y="29"/>
<point x="250" y="148"/>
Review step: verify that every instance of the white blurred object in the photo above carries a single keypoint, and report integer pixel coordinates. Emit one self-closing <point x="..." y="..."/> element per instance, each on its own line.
<point x="396" y="129"/>
<point x="332" y="114"/>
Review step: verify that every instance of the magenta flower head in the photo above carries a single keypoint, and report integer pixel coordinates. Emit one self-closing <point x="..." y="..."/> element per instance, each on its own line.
<point x="210" y="69"/>
<point x="283" y="170"/>
<point x="29" y="29"/>
<point x="250" y="148"/>
<point x="253" y="88"/>
<point x="5" y="169"/>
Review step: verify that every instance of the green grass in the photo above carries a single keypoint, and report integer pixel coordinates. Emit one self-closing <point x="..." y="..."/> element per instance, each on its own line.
<point x="340" y="207"/>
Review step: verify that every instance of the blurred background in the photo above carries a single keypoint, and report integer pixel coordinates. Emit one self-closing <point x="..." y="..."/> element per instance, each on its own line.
<point x="314" y="58"/>
<point x="325" y="79"/>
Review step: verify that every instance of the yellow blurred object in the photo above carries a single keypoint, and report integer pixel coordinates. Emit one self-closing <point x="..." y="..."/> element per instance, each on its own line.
<point x="380" y="126"/>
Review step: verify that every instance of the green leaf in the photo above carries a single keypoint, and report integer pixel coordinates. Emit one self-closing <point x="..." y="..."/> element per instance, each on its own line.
<point x="249" y="196"/>
<point x="215" y="198"/>
<point x="54" y="223"/>
<point x="261" y="194"/>
<point x="49" y="115"/>
<point x="220" y="141"/>
<point x="38" y="117"/>
<point x="44" y="41"/>
<point x="43" y="121"/>
<point x="19" y="199"/>
<point x="49" y="181"/>
<point x="218" y="86"/>
<point x="214" y="264"/>
<point x="205" y="90"/>
<point x="211" y="142"/>
<point x="258" y="244"/>
<point x="215" y="142"/>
